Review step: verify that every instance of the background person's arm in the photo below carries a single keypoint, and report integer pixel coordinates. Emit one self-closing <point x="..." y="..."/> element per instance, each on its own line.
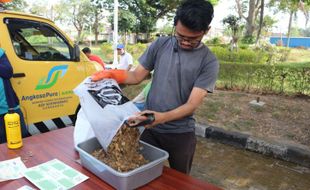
<point x="6" y="70"/>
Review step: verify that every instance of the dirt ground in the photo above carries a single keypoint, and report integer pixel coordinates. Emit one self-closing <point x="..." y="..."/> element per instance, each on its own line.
<point x="282" y="118"/>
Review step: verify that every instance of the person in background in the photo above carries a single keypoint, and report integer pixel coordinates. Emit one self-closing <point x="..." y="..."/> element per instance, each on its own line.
<point x="185" y="71"/>
<point x="140" y="99"/>
<point x="8" y="98"/>
<point x="93" y="57"/>
<point x="125" y="61"/>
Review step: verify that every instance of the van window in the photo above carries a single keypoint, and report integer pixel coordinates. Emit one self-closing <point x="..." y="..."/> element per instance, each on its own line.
<point x="37" y="41"/>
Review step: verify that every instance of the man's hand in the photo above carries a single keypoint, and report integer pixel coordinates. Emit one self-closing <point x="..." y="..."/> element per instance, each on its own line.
<point x="119" y="75"/>
<point x="140" y="117"/>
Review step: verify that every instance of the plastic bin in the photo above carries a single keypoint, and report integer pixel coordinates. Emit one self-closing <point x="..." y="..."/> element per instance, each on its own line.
<point x="123" y="180"/>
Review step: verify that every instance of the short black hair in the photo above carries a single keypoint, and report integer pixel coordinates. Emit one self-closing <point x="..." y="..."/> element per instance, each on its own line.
<point x="86" y="50"/>
<point x="195" y="14"/>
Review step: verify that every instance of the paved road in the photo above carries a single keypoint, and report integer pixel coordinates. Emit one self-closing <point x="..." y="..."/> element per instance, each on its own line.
<point x="232" y="168"/>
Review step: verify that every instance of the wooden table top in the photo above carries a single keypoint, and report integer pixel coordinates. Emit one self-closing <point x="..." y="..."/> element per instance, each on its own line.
<point x="59" y="144"/>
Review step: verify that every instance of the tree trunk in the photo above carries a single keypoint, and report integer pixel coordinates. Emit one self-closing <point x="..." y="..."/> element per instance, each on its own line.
<point x="261" y="20"/>
<point x="307" y="19"/>
<point x="289" y="29"/>
<point x="254" y="6"/>
<point x="79" y="35"/>
<point x="250" y="26"/>
<point x="96" y="28"/>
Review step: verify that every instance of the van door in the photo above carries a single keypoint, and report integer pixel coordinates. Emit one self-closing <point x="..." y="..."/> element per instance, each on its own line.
<point x="44" y="73"/>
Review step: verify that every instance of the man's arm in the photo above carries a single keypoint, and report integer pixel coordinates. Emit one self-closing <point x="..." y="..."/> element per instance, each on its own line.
<point x="129" y="67"/>
<point x="195" y="99"/>
<point x="136" y="76"/>
<point x="129" y="61"/>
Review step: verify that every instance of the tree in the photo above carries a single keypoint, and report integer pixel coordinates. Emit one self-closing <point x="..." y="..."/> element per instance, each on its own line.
<point x="305" y="32"/>
<point x="268" y="23"/>
<point x="234" y="25"/>
<point x="97" y="15"/>
<point x="261" y="20"/>
<point x="16" y="5"/>
<point x="126" y="22"/>
<point x="291" y="7"/>
<point x="252" y="8"/>
<point x="147" y="12"/>
<point x="40" y="8"/>
<point x="77" y="13"/>
<point x="305" y="8"/>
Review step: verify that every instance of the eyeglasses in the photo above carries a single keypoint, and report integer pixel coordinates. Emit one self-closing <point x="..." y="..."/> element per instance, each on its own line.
<point x="193" y="42"/>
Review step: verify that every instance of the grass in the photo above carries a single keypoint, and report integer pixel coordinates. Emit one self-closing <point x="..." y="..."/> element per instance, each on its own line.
<point x="298" y="55"/>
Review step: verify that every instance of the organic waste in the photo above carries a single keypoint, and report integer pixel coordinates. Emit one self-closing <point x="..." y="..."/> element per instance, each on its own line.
<point x="123" y="153"/>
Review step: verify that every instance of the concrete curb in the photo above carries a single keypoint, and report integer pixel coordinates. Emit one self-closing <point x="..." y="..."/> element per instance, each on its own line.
<point x="298" y="154"/>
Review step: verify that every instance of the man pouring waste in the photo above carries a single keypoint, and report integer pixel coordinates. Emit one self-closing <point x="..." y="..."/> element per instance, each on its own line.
<point x="185" y="71"/>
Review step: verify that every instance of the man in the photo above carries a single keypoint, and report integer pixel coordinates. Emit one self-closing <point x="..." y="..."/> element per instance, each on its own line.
<point x="125" y="61"/>
<point x="8" y="98"/>
<point x="185" y="70"/>
<point x="93" y="57"/>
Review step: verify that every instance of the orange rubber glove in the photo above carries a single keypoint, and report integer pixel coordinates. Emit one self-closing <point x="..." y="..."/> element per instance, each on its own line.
<point x="117" y="74"/>
<point x="5" y="1"/>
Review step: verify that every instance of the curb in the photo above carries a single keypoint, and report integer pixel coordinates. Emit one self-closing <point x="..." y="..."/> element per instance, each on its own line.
<point x="298" y="154"/>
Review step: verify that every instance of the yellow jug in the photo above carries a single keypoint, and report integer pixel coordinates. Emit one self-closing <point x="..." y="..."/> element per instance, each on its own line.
<point x="13" y="130"/>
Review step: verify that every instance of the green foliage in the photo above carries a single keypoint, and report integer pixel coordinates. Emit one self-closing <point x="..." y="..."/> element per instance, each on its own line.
<point x="265" y="78"/>
<point x="274" y="54"/>
<point x="233" y="23"/>
<point x="135" y="50"/>
<point x="166" y="29"/>
<point x="107" y="51"/>
<point x="146" y="12"/>
<point x="214" y="41"/>
<point x="248" y="40"/>
<point x="126" y="21"/>
<point x="240" y="56"/>
<point x="305" y="32"/>
<point x="16" y="5"/>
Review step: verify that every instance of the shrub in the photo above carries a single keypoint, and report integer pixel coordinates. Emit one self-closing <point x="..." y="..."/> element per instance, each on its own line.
<point x="107" y="51"/>
<point x="240" y="56"/>
<point x="266" y="78"/>
<point x="214" y="41"/>
<point x="248" y="39"/>
<point x="135" y="50"/>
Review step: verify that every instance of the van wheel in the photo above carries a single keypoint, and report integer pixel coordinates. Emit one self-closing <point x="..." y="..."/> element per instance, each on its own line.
<point x="75" y="114"/>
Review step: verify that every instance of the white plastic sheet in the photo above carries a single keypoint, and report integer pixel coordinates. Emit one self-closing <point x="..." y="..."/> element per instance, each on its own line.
<point x="82" y="129"/>
<point x="105" y="120"/>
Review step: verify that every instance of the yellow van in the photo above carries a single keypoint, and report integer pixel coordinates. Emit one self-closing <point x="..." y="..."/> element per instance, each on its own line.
<point x="47" y="67"/>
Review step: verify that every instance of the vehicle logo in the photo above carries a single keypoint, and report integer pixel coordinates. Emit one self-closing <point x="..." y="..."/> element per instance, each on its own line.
<point x="45" y="83"/>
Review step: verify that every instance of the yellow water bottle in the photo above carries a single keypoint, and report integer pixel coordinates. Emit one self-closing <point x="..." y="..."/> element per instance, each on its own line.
<point x="13" y="129"/>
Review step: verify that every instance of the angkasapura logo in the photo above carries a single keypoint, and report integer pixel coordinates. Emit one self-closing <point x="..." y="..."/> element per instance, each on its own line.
<point x="45" y="83"/>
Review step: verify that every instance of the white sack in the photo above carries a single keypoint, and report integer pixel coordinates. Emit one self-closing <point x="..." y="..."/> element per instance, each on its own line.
<point x="105" y="120"/>
<point x="82" y="129"/>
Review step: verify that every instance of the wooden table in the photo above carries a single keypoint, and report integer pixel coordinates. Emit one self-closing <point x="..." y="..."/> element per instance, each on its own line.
<point x="59" y="144"/>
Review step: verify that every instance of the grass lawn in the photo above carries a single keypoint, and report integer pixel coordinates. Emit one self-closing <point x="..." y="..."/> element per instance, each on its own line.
<point x="299" y="55"/>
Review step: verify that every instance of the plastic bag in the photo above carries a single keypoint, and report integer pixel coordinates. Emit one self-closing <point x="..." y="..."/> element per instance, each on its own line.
<point x="105" y="108"/>
<point x="82" y="129"/>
